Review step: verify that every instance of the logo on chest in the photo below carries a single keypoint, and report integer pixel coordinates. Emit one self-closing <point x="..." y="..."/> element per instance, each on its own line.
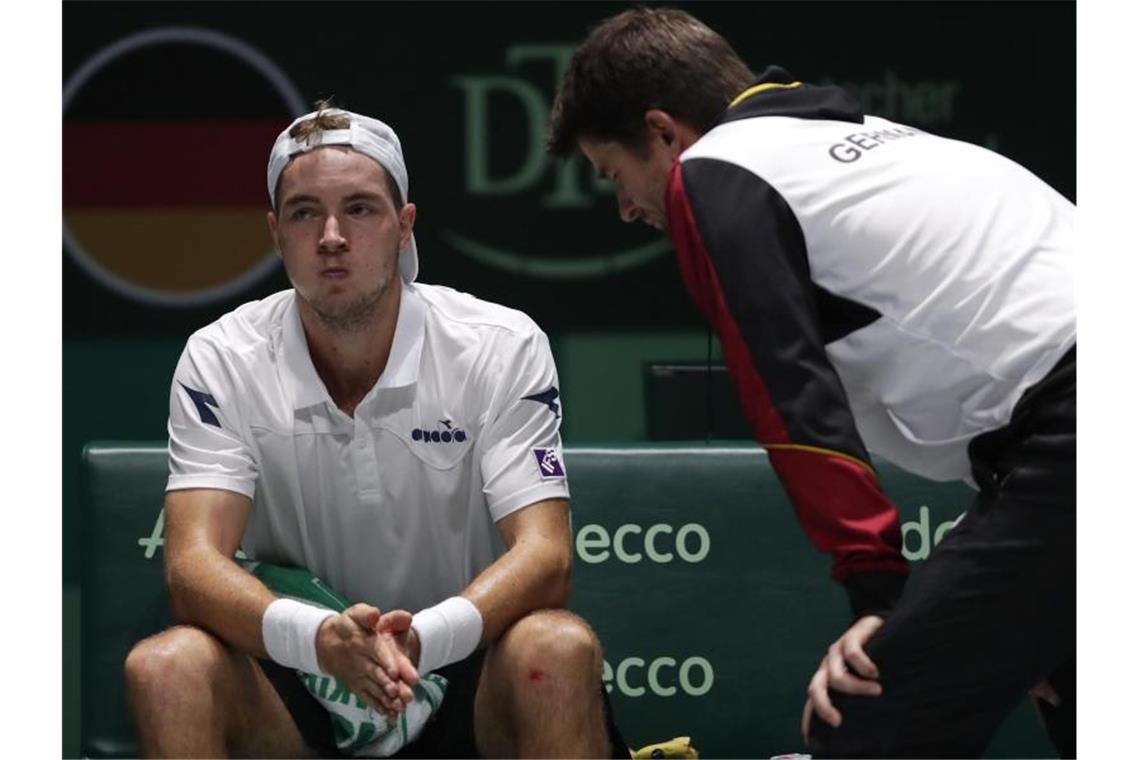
<point x="444" y="432"/>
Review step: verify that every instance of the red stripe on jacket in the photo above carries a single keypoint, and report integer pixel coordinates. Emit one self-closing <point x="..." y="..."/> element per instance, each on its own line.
<point x="838" y="501"/>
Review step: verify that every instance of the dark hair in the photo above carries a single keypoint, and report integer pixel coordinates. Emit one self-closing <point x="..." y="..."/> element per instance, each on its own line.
<point x="325" y="120"/>
<point x="640" y="59"/>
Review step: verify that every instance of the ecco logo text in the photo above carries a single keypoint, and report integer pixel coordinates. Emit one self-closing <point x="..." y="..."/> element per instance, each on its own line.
<point x="662" y="676"/>
<point x="630" y="544"/>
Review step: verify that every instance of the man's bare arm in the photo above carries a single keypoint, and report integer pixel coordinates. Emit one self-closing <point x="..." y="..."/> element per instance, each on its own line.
<point x="207" y="588"/>
<point x="533" y="574"/>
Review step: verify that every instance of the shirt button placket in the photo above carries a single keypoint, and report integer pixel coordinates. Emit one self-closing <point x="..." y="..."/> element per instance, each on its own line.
<point x="367" y="474"/>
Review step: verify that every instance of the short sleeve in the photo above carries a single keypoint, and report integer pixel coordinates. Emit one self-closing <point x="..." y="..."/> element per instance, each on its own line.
<point x="521" y="457"/>
<point x="208" y="447"/>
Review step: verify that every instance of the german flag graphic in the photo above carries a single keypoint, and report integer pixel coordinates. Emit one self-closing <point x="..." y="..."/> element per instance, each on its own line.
<point x="166" y="202"/>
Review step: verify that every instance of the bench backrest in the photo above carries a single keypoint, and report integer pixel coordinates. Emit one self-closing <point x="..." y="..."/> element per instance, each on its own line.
<point x="712" y="606"/>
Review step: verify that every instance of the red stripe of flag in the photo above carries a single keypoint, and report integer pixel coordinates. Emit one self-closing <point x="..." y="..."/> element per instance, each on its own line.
<point x="204" y="163"/>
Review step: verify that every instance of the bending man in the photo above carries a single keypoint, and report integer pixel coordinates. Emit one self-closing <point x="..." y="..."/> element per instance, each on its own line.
<point x="874" y="287"/>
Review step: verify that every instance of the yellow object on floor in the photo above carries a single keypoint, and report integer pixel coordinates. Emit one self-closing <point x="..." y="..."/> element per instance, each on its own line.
<point x="678" y="747"/>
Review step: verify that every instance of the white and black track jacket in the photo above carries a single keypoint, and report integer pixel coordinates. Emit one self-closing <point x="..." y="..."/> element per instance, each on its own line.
<point x="871" y="284"/>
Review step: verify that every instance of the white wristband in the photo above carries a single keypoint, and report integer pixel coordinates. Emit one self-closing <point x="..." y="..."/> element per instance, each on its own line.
<point x="448" y="632"/>
<point x="289" y="631"/>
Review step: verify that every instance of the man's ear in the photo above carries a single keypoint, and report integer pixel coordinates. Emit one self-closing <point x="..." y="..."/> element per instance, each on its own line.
<point x="661" y="126"/>
<point x="271" y="221"/>
<point x="675" y="134"/>
<point x="407" y="216"/>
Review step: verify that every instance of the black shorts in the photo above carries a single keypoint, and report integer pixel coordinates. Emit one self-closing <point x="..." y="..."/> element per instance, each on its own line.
<point x="450" y="732"/>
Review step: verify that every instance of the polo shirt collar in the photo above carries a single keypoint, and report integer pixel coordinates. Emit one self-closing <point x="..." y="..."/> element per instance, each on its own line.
<point x="304" y="384"/>
<point x="403" y="366"/>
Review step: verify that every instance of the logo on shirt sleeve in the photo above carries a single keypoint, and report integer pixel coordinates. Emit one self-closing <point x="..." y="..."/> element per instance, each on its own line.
<point x="549" y="464"/>
<point x="546" y="397"/>
<point x="203" y="402"/>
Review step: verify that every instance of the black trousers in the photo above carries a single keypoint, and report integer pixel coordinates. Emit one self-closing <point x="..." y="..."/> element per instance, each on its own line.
<point x="992" y="611"/>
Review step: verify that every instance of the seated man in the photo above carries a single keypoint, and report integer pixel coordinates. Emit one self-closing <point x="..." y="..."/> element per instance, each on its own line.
<point x="400" y="442"/>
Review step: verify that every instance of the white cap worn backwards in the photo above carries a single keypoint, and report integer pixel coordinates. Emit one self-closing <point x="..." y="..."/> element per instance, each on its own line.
<point x="365" y="135"/>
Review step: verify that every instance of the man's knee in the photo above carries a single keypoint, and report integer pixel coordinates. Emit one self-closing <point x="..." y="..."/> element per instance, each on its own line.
<point x="545" y="671"/>
<point x="552" y="640"/>
<point x="179" y="658"/>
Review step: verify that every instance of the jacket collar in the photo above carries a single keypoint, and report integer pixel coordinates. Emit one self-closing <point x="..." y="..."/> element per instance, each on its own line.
<point x="776" y="93"/>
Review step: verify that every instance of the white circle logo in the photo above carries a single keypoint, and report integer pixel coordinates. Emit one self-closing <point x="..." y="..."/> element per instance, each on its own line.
<point x="157" y="211"/>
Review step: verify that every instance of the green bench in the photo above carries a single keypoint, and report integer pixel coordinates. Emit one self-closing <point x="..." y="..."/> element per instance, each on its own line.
<point x="711" y="605"/>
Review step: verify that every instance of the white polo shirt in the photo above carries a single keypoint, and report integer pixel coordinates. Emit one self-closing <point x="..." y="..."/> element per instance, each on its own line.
<point x="396" y="505"/>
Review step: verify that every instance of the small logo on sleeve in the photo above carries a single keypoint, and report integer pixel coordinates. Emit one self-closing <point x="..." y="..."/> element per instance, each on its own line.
<point x="549" y="464"/>
<point x="546" y="397"/>
<point x="202" y="402"/>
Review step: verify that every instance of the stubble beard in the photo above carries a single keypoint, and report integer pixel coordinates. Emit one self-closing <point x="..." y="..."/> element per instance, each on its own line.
<point x="355" y="316"/>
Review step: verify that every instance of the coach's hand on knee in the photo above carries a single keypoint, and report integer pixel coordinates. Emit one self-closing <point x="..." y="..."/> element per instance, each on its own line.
<point x="845" y="668"/>
<point x="350" y="647"/>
